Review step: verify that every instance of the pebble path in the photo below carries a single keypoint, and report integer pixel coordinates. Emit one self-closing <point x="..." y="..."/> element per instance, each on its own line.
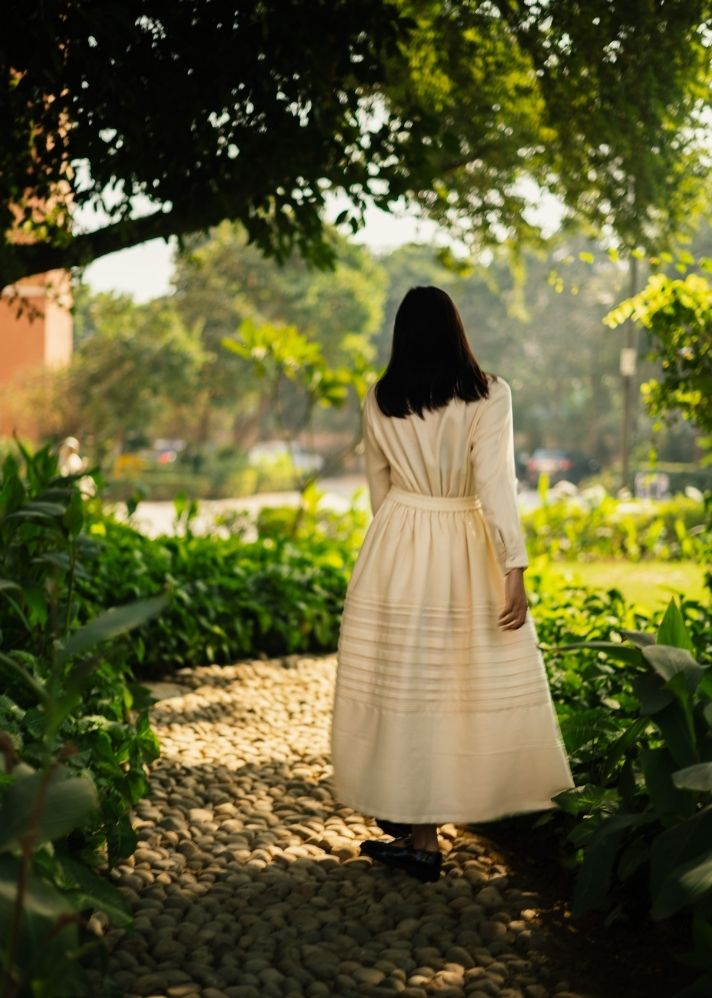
<point x="248" y="883"/>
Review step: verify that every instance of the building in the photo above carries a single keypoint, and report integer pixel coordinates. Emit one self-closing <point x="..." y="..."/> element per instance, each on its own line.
<point x="35" y="334"/>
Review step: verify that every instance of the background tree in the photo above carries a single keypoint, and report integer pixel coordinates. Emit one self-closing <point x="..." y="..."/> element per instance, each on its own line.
<point x="678" y="316"/>
<point x="130" y="363"/>
<point x="220" y="281"/>
<point x="254" y="112"/>
<point x="601" y="105"/>
<point x="546" y="337"/>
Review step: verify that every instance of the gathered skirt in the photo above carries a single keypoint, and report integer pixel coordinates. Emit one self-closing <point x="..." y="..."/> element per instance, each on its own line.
<point x="439" y="715"/>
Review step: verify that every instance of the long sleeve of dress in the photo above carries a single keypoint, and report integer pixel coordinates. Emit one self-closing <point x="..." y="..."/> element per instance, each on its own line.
<point x="494" y="471"/>
<point x="378" y="469"/>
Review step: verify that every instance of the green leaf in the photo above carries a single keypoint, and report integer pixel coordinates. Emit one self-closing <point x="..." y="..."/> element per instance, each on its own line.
<point x="698" y="777"/>
<point x="639" y="638"/>
<point x="701" y="988"/>
<point x="651" y="693"/>
<point x="43" y="906"/>
<point x="668" y="660"/>
<point x="621" y="652"/>
<point x="74" y="514"/>
<point x="68" y="799"/>
<point x="36" y="685"/>
<point x="111" y="623"/>
<point x="678" y="844"/>
<point x="705" y="684"/>
<point x="672" y="630"/>
<point x="587" y="797"/>
<point x="684" y="885"/>
<point x="675" y="729"/>
<point x="37" y="604"/>
<point x="658" y="766"/>
<point x="90" y="891"/>
<point x="635" y="854"/>
<point x="49" y="508"/>
<point x="619" y="747"/>
<point x="122" y="839"/>
<point x="594" y="877"/>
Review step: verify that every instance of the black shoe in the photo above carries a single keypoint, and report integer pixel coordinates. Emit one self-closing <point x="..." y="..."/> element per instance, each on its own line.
<point x="398" y="829"/>
<point x="421" y="863"/>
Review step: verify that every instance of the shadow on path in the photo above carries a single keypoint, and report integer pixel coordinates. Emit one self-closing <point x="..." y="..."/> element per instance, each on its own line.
<point x="248" y="882"/>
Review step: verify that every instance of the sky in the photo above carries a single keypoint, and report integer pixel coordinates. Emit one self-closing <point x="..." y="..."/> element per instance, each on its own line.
<point x="145" y="271"/>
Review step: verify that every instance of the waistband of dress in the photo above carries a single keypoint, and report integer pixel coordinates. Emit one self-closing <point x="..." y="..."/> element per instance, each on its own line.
<point x="424" y="501"/>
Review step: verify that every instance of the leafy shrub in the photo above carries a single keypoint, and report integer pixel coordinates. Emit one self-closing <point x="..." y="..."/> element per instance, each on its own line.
<point x="282" y="592"/>
<point x="599" y="526"/>
<point x="73" y="756"/>
<point x="643" y="813"/>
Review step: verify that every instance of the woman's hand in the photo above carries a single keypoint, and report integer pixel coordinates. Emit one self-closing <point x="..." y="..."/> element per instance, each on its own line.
<point x="515" y="601"/>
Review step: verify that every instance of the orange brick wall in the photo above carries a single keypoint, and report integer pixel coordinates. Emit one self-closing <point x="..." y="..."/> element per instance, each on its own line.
<point x="28" y="344"/>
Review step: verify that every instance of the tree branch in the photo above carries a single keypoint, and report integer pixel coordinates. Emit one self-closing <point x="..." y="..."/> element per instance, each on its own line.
<point x="38" y="258"/>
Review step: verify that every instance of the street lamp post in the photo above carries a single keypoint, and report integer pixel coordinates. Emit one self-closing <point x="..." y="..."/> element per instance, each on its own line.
<point x="628" y="364"/>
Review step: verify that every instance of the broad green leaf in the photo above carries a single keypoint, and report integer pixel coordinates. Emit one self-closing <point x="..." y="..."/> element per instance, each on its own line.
<point x="111" y="623"/>
<point x="639" y="638"/>
<point x="658" y="766"/>
<point x="586" y="798"/>
<point x="624" y="653"/>
<point x="67" y="801"/>
<point x="679" y="686"/>
<point x="677" y="845"/>
<point x="684" y="885"/>
<point x="674" y="727"/>
<point x="698" y="777"/>
<point x="49" y="508"/>
<point x="43" y="906"/>
<point x="619" y="747"/>
<point x="705" y="684"/>
<point x="37" y="604"/>
<point x="668" y="660"/>
<point x="652" y="694"/>
<point x="36" y="685"/>
<point x="632" y="858"/>
<point x="672" y="630"/>
<point x="701" y="988"/>
<point x="594" y="877"/>
<point x="90" y="891"/>
<point x="74" y="514"/>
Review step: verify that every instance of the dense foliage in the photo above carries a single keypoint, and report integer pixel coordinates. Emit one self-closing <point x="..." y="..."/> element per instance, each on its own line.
<point x="452" y="106"/>
<point x="595" y="526"/>
<point x="678" y="316"/>
<point x="74" y="734"/>
<point x="231" y="597"/>
<point x="633" y="697"/>
<point x="641" y="751"/>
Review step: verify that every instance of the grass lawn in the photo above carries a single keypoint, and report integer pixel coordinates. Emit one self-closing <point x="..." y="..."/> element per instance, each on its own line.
<point x="651" y="583"/>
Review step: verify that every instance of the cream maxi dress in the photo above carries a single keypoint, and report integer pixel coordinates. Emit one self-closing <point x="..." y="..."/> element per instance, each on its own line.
<point x="439" y="715"/>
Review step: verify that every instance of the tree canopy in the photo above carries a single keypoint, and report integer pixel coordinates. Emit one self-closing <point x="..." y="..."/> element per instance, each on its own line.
<point x="253" y="112"/>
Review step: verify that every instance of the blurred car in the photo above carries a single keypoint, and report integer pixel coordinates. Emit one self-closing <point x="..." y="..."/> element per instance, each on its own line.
<point x="275" y="450"/>
<point x="560" y="465"/>
<point x="166" y="451"/>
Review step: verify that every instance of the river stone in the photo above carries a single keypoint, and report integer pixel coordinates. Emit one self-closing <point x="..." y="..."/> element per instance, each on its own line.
<point x="493" y="930"/>
<point x="248" y="882"/>
<point x="489" y="897"/>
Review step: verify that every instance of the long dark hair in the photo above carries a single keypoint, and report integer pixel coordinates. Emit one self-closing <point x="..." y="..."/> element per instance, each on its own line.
<point x="431" y="360"/>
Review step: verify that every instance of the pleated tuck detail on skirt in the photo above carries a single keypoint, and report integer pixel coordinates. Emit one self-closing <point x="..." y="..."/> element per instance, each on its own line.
<point x="439" y="715"/>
